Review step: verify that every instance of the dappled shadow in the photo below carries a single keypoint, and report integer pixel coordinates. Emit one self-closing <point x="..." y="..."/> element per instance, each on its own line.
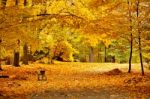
<point x="103" y="93"/>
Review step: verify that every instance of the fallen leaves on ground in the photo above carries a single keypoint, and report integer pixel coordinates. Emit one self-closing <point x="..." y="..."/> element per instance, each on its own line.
<point x="70" y="76"/>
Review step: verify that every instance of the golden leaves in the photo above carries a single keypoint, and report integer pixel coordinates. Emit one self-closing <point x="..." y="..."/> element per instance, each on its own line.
<point x="92" y="39"/>
<point x="64" y="50"/>
<point x="57" y="7"/>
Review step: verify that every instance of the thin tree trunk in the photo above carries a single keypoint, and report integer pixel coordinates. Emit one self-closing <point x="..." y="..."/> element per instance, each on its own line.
<point x="16" y="3"/>
<point x="131" y="36"/>
<point x="139" y="38"/>
<point x="0" y="65"/>
<point x="131" y="51"/>
<point x="99" y="55"/>
<point x="25" y="2"/>
<point x="91" y="54"/>
<point x="49" y="57"/>
<point x="140" y="54"/>
<point x="0" y="54"/>
<point x="105" y="54"/>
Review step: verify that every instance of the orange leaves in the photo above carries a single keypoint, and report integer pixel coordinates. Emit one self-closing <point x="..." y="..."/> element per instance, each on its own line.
<point x="70" y="21"/>
<point x="69" y="77"/>
<point x="93" y="28"/>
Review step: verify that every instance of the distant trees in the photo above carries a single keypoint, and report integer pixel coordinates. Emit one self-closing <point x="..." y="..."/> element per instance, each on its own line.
<point x="74" y="29"/>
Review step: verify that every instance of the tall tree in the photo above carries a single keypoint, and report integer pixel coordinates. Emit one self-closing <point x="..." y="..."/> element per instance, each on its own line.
<point x="131" y="35"/>
<point x="139" y="35"/>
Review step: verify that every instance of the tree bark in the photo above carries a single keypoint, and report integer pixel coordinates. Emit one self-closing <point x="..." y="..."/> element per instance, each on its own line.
<point x="105" y="54"/>
<point x="91" y="54"/>
<point x="0" y="66"/>
<point x="25" y="2"/>
<point x="25" y="56"/>
<point x="16" y="59"/>
<point x="131" y="51"/>
<point x="139" y="38"/>
<point x="0" y="55"/>
<point x="140" y="54"/>
<point x="99" y="59"/>
<point x="131" y="36"/>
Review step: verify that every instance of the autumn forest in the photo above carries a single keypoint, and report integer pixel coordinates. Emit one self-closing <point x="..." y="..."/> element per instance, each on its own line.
<point x="74" y="49"/>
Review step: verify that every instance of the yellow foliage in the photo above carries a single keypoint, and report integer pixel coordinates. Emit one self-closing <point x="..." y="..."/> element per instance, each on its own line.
<point x="107" y="42"/>
<point x="3" y="52"/>
<point x="64" y="50"/>
<point x="92" y="39"/>
<point x="57" y="7"/>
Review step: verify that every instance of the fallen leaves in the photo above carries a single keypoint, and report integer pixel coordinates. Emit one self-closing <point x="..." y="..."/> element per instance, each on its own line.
<point x="71" y="76"/>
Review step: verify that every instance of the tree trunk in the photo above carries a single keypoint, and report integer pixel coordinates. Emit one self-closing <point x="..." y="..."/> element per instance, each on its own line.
<point x="140" y="54"/>
<point x="49" y="57"/>
<point x="105" y="55"/>
<point x="0" y="66"/>
<point x="16" y="3"/>
<point x="131" y="35"/>
<point x="16" y="59"/>
<point x="99" y="55"/>
<point x="91" y="54"/>
<point x="25" y="56"/>
<point x="25" y="2"/>
<point x="131" y="50"/>
<point x="0" y="55"/>
<point x="139" y="38"/>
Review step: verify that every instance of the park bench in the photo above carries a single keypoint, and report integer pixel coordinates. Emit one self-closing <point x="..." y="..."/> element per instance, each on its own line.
<point x="42" y="75"/>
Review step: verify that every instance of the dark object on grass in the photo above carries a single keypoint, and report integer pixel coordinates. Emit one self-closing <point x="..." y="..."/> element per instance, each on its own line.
<point x="42" y="75"/>
<point x="4" y="76"/>
<point x="115" y="71"/>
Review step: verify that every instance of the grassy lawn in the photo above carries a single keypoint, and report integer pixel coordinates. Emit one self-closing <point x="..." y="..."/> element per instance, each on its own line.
<point x="72" y="76"/>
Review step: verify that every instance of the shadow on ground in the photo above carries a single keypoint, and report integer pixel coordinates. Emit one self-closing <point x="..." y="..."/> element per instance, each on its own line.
<point x="106" y="93"/>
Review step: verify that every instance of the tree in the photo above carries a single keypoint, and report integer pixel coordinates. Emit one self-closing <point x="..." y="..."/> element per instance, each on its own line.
<point x="2" y="51"/>
<point x="25" y="54"/>
<point x="131" y="34"/>
<point x="16" y="54"/>
<point x="0" y="54"/>
<point x="96" y="21"/>
<point x="139" y="35"/>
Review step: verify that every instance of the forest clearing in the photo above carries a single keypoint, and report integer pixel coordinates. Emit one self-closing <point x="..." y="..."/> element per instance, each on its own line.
<point x="75" y="80"/>
<point x="74" y="49"/>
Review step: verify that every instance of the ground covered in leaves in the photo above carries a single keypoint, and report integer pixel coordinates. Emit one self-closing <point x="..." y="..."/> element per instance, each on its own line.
<point x="75" y="81"/>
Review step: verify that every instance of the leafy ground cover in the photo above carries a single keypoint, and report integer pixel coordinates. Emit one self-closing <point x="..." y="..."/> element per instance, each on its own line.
<point x="79" y="80"/>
